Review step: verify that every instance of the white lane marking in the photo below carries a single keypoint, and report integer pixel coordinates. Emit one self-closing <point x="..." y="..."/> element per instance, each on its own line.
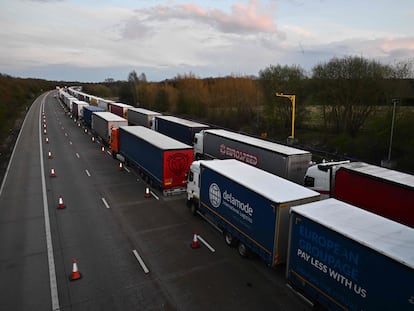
<point x="87" y="173"/>
<point x="70" y="142"/>
<point x="206" y="244"/>
<point x="77" y="155"/>
<point x="50" y="256"/>
<point x="141" y="262"/>
<point x="108" y="152"/>
<point x="66" y="134"/>
<point x="105" y="203"/>
<point x="154" y="195"/>
<point x="127" y="169"/>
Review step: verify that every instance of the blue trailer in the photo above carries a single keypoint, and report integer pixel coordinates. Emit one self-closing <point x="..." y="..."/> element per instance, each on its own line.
<point x="250" y="206"/>
<point x="87" y="113"/>
<point x="345" y="258"/>
<point x="180" y="129"/>
<point x="163" y="160"/>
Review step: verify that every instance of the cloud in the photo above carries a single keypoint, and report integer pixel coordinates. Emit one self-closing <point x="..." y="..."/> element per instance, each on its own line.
<point x="251" y="18"/>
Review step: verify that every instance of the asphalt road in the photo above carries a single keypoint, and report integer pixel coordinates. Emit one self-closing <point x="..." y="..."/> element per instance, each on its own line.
<point x="106" y="223"/>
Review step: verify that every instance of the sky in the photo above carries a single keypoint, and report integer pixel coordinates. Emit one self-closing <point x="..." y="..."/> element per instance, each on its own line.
<point x="93" y="40"/>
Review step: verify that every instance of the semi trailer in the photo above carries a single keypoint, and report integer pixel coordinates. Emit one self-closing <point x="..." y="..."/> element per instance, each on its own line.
<point x="163" y="161"/>
<point x="141" y="116"/>
<point x="250" y="206"/>
<point x="180" y="129"/>
<point x="383" y="191"/>
<point x="284" y="161"/>
<point x="104" y="122"/>
<point x="342" y="257"/>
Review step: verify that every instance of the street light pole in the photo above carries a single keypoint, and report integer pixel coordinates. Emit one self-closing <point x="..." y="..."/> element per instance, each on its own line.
<point x="292" y="99"/>
<point x="394" y="101"/>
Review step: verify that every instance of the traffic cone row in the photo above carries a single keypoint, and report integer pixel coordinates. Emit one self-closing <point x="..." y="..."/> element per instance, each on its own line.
<point x="195" y="244"/>
<point x="75" y="275"/>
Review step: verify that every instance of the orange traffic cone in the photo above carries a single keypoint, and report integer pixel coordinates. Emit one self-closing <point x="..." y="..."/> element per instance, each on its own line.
<point x="194" y="243"/>
<point x="147" y="192"/>
<point x="49" y="154"/>
<point x="52" y="172"/>
<point x="44" y="131"/>
<point x="60" y="203"/>
<point x="75" y="275"/>
<point x="121" y="167"/>
<point x="86" y="131"/>
<point x="44" y="125"/>
<point x="93" y="139"/>
<point x="47" y="140"/>
<point x="103" y="149"/>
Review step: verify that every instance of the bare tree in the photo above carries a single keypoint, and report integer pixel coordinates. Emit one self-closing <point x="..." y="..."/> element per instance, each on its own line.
<point x="349" y="89"/>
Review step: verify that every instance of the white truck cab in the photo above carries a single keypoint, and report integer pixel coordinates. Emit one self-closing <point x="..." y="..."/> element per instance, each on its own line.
<point x="321" y="177"/>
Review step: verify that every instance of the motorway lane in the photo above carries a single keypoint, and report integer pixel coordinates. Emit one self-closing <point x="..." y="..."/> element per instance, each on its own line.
<point x="86" y="229"/>
<point x="24" y="281"/>
<point x="102" y="240"/>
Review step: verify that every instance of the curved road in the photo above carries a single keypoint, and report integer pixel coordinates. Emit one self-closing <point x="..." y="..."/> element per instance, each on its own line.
<point x="108" y="225"/>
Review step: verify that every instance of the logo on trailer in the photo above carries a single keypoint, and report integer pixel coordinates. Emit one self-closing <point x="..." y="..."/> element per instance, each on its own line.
<point x="230" y="152"/>
<point x="178" y="163"/>
<point x="214" y="194"/>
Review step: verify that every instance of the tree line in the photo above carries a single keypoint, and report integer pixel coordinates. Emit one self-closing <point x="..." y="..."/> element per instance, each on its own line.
<point x="341" y="103"/>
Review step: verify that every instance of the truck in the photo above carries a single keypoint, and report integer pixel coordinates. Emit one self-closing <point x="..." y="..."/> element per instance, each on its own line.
<point x="342" y="257"/>
<point x="383" y="191"/>
<point x="321" y="177"/>
<point x="248" y="205"/>
<point x="284" y="161"/>
<point x="119" y="109"/>
<point x="77" y="109"/>
<point x="104" y="122"/>
<point x="178" y="128"/>
<point x="141" y="116"/>
<point x="161" y="160"/>
<point x="87" y="113"/>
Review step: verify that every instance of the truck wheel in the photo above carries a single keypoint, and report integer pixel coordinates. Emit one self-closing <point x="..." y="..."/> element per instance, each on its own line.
<point x="229" y="239"/>
<point x="243" y="250"/>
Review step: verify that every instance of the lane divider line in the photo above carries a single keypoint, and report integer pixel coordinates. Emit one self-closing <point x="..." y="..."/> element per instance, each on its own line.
<point x="105" y="203"/>
<point x="77" y="155"/>
<point x="206" y="244"/>
<point x="50" y="256"/>
<point x="125" y="168"/>
<point x="87" y="173"/>
<point x="154" y="195"/>
<point x="141" y="262"/>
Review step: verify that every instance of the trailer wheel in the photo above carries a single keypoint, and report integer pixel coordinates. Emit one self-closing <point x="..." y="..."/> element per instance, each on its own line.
<point x="243" y="250"/>
<point x="229" y="239"/>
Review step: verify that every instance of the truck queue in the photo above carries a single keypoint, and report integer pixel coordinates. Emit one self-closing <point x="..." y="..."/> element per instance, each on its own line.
<point x="338" y="252"/>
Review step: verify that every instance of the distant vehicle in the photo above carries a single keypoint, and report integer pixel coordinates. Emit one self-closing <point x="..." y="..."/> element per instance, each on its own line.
<point x="249" y="205"/>
<point x="377" y="189"/>
<point x="87" y="113"/>
<point x="344" y="258"/>
<point x="77" y="108"/>
<point x="180" y="129"/>
<point x="119" y="109"/>
<point x="141" y="116"/>
<point x="162" y="161"/>
<point x="104" y="122"/>
<point x="284" y="161"/>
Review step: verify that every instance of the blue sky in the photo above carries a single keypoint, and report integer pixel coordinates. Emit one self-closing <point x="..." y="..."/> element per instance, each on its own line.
<point x="90" y="41"/>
